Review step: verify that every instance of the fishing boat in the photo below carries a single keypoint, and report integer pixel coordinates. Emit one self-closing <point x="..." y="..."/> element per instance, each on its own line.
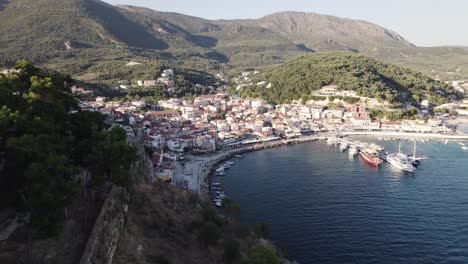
<point x="401" y="161"/>
<point x="220" y="169"/>
<point x="353" y="151"/>
<point x="238" y="156"/>
<point x="371" y="156"/>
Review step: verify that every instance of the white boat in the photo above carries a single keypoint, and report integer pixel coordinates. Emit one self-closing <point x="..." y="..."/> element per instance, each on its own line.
<point x="376" y="147"/>
<point x="221" y="173"/>
<point x="332" y="141"/>
<point x="230" y="163"/>
<point x="465" y="148"/>
<point x="401" y="161"/>
<point x="344" y="147"/>
<point x="238" y="156"/>
<point x="216" y="184"/>
<point x="220" y="169"/>
<point x="353" y="151"/>
<point x="226" y="166"/>
<point x="219" y="204"/>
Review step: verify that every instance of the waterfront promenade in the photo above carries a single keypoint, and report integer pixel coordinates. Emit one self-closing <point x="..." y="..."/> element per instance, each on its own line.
<point x="458" y="136"/>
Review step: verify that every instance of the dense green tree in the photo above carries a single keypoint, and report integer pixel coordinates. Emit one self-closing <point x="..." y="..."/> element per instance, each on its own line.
<point x="261" y="254"/>
<point x="45" y="140"/>
<point x="369" y="78"/>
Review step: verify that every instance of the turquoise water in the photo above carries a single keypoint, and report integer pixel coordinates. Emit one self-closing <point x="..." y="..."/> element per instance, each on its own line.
<point x="325" y="207"/>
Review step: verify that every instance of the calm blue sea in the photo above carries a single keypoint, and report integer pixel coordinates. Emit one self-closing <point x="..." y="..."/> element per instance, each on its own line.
<point x="325" y="207"/>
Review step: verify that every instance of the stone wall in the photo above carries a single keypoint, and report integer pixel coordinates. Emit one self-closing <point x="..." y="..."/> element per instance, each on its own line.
<point x="103" y="240"/>
<point x="104" y="237"/>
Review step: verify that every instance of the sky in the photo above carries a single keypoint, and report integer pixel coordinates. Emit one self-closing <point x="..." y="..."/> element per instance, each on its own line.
<point x="422" y="22"/>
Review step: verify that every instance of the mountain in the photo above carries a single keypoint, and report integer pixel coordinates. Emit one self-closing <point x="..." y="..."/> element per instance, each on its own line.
<point x="349" y="71"/>
<point x="322" y="32"/>
<point x="89" y="37"/>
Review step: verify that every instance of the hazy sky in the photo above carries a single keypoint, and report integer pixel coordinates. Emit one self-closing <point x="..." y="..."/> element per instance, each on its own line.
<point x="423" y="22"/>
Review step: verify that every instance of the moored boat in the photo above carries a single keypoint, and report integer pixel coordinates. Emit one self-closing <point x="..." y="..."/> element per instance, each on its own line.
<point x="353" y="151"/>
<point x="344" y="147"/>
<point x="401" y="162"/>
<point x="371" y="157"/>
<point x="238" y="156"/>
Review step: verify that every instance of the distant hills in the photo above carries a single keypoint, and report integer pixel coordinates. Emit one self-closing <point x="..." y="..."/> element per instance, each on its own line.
<point x="89" y="37"/>
<point x="300" y="77"/>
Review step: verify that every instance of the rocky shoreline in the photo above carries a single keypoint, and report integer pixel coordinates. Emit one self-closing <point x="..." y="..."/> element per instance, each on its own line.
<point x="207" y="168"/>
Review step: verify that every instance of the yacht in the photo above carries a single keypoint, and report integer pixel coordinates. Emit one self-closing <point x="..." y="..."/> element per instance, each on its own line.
<point x="401" y="161"/>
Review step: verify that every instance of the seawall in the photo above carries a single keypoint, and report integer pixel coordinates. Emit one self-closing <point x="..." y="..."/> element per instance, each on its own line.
<point x="208" y="167"/>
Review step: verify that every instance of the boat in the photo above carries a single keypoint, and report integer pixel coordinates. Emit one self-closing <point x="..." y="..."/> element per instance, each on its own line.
<point x="371" y="156"/>
<point x="216" y="184"/>
<point x="401" y="161"/>
<point x="238" y="156"/>
<point x="220" y="169"/>
<point x="332" y="141"/>
<point x="230" y="163"/>
<point x="221" y="173"/>
<point x="226" y="166"/>
<point x="344" y="147"/>
<point x="465" y="148"/>
<point x="376" y="147"/>
<point x="353" y="151"/>
<point x="219" y="203"/>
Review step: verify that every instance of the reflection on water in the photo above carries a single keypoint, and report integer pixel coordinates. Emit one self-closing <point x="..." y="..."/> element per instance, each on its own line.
<point x="328" y="207"/>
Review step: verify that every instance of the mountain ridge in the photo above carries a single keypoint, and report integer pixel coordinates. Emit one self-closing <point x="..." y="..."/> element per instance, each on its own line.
<point x="78" y="35"/>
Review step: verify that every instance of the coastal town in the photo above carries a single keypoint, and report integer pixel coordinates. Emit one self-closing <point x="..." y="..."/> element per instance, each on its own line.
<point x="185" y="138"/>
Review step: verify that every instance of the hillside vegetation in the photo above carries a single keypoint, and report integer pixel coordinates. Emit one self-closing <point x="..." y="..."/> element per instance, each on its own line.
<point x="368" y="77"/>
<point x="46" y="141"/>
<point x="84" y="37"/>
<point x="166" y="225"/>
